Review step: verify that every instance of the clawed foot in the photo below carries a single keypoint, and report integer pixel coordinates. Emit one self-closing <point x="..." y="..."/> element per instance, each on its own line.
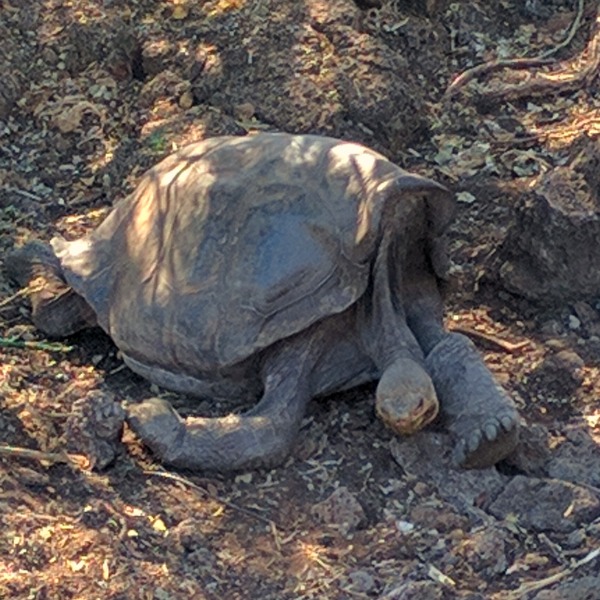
<point x="475" y="408"/>
<point x="485" y="441"/>
<point x="159" y="426"/>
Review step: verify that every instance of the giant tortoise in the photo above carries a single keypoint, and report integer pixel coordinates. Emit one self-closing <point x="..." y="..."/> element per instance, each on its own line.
<point x="275" y="268"/>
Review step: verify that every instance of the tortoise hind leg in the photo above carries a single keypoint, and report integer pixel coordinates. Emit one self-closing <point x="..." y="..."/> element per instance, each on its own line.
<point x="477" y="411"/>
<point x="55" y="307"/>
<point x="261" y="437"/>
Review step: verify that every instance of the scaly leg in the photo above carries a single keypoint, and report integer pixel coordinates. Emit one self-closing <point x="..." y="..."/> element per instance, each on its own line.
<point x="475" y="408"/>
<point x="262" y="437"/>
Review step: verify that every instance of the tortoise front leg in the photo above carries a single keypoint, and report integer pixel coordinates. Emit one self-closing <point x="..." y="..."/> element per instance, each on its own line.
<point x="262" y="437"/>
<point x="476" y="409"/>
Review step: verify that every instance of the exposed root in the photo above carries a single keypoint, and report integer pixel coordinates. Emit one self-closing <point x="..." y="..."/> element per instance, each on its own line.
<point x="560" y="80"/>
<point x="236" y="507"/>
<point x="75" y="460"/>
<point x="504" y="345"/>
<point x="490" y="67"/>
<point x="533" y="586"/>
<point x="6" y="301"/>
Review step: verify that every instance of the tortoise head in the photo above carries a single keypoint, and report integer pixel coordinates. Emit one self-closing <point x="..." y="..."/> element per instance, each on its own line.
<point x="405" y="398"/>
<point x="55" y="307"/>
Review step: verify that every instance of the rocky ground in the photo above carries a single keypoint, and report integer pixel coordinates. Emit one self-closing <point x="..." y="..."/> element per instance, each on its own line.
<point x="94" y="92"/>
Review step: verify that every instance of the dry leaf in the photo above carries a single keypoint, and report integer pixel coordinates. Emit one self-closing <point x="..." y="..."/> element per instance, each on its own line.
<point x="186" y="100"/>
<point x="70" y="119"/>
<point x="180" y="11"/>
<point x="159" y="525"/>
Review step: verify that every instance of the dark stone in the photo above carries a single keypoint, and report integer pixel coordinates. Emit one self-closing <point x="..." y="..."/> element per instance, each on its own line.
<point x="546" y="505"/>
<point x="552" y="251"/>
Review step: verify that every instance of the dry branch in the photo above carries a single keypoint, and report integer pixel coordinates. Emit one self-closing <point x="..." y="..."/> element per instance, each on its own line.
<point x="504" y="345"/>
<point x="205" y="492"/>
<point x="75" y="460"/>
<point x="551" y="82"/>
<point x="533" y="586"/>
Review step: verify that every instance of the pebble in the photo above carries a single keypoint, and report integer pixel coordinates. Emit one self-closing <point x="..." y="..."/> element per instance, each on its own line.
<point x="360" y="582"/>
<point x="575" y="539"/>
<point x="341" y="509"/>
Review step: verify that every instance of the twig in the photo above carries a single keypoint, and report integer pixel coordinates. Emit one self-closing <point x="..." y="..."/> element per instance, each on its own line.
<point x="556" y="81"/>
<point x="517" y="63"/>
<point x="45" y="346"/>
<point x="178" y="478"/>
<point x="32" y="288"/>
<point x="574" y="27"/>
<point x="494" y="65"/>
<point x="26" y="194"/>
<point x="76" y="460"/>
<point x="14" y="297"/>
<point x="504" y="345"/>
<point x="533" y="586"/>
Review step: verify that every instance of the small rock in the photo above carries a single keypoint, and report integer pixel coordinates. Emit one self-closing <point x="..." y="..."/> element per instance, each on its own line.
<point x="443" y="518"/>
<point x="360" y="582"/>
<point x="576" y="458"/>
<point x="155" y="55"/>
<point x="426" y="456"/>
<point x="584" y="588"/>
<point x="533" y="452"/>
<point x="552" y="327"/>
<point x="341" y="509"/>
<point x="165" y="85"/>
<point x="404" y="527"/>
<point x="415" y="590"/>
<point x="485" y="552"/>
<point x="546" y="505"/>
<point x="589" y="317"/>
<point x="560" y="374"/>
<point x="244" y="111"/>
<point x="49" y="56"/>
<point x="575" y="539"/>
<point x="574" y="322"/>
<point x="568" y="359"/>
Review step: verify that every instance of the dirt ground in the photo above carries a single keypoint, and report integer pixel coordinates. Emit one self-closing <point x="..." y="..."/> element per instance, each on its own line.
<point x="94" y="92"/>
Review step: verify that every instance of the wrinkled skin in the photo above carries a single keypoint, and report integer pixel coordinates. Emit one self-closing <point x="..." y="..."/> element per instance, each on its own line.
<point x="311" y="268"/>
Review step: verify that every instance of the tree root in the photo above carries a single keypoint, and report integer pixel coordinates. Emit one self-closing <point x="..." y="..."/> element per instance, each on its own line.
<point x="490" y="338"/>
<point x="559" y="80"/>
<point x="75" y="460"/>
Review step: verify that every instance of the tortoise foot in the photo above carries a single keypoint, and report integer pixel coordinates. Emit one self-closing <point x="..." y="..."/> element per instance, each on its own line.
<point x="476" y="409"/>
<point x="483" y="442"/>
<point x="158" y="425"/>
